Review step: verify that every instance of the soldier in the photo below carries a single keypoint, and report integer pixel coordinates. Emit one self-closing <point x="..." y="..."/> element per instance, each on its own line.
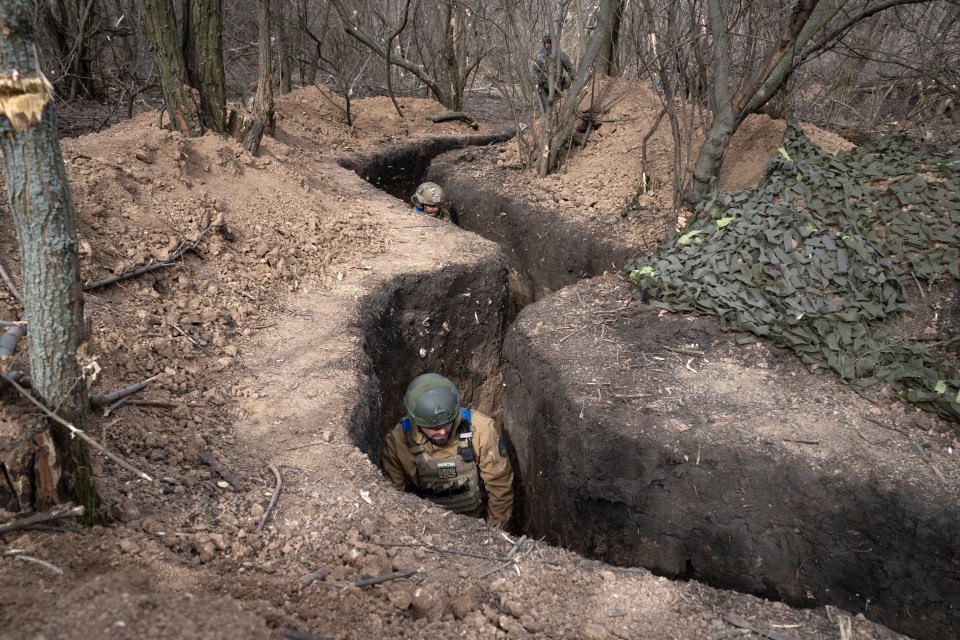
<point x="449" y="455"/>
<point x="428" y="199"/>
<point x="544" y="63"/>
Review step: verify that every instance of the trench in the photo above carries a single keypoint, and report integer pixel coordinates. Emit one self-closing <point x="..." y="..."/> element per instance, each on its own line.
<point x="631" y="507"/>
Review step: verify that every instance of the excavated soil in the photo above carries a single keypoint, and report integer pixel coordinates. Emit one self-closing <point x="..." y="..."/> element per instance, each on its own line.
<point x="279" y="350"/>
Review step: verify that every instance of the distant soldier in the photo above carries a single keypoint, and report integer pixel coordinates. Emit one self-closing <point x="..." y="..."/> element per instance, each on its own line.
<point x="449" y="455"/>
<point x="544" y="64"/>
<point x="428" y="199"/>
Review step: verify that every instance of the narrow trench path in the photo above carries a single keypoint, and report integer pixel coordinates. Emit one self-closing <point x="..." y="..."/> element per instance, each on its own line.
<point x="605" y="472"/>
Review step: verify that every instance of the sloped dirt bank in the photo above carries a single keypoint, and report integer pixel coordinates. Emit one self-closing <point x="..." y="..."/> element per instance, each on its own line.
<point x="547" y="246"/>
<point x="657" y="441"/>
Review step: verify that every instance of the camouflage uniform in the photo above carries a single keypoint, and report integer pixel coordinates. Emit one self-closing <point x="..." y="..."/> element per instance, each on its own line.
<point x="482" y="487"/>
<point x="540" y="69"/>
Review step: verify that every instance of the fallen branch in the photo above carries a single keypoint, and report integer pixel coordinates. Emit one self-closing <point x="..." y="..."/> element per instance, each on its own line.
<point x="106" y="399"/>
<point x="67" y="510"/>
<point x="20" y="555"/>
<point x="688" y="352"/>
<point x="730" y="633"/>
<point x="9" y="340"/>
<point x="463" y="116"/>
<point x="273" y="500"/>
<point x="13" y="323"/>
<point x="300" y="635"/>
<point x="174" y="256"/>
<point x="77" y="432"/>
<point x="516" y="547"/>
<point x="737" y="621"/>
<point x="10" y="284"/>
<point x="185" y="335"/>
<point x="224" y="473"/>
<point x="366" y="582"/>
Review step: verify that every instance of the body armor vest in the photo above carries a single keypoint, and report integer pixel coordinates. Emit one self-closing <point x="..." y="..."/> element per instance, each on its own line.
<point x="454" y="483"/>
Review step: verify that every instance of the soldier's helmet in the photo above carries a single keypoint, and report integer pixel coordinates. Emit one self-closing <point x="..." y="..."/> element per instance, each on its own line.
<point x="547" y="39"/>
<point x="431" y="400"/>
<point x="427" y="193"/>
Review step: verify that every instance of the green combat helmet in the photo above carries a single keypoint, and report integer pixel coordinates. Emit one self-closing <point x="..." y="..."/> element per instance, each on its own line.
<point x="431" y="400"/>
<point x="428" y="193"/>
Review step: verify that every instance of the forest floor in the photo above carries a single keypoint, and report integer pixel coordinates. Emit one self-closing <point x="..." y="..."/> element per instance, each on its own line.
<point x="257" y="364"/>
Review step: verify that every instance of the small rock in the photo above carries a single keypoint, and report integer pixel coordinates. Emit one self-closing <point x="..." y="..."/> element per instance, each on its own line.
<point x="593" y="631"/>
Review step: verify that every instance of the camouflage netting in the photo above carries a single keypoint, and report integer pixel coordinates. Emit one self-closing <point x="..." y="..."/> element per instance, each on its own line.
<point x="814" y="258"/>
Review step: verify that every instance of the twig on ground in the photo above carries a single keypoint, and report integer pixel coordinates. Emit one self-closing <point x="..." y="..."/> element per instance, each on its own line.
<point x="503" y="566"/>
<point x="743" y="623"/>
<point x="801" y="441"/>
<point x="302" y="635"/>
<point x="17" y="553"/>
<point x="224" y="473"/>
<point x="77" y="432"/>
<point x="366" y="582"/>
<point x="10" y="284"/>
<point x="432" y="549"/>
<point x="516" y="547"/>
<point x="730" y="633"/>
<point x="926" y="457"/>
<point x="312" y="577"/>
<point x="192" y="341"/>
<point x="68" y="510"/>
<point x="688" y="352"/>
<point x="174" y="256"/>
<point x="273" y="500"/>
<point x="105" y="399"/>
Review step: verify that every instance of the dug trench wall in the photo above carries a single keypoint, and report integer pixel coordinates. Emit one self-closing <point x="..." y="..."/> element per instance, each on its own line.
<point x="634" y="449"/>
<point x="547" y="249"/>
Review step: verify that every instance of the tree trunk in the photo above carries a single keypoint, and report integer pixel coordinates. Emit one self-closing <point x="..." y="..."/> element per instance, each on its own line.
<point x="609" y="52"/>
<point x="263" y="102"/>
<point x="808" y="18"/>
<point x="568" y="111"/>
<point x="38" y="195"/>
<point x="182" y="101"/>
<point x="207" y="22"/>
<point x="283" y="41"/>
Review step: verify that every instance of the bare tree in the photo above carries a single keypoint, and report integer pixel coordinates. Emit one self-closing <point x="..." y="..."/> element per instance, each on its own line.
<point x="808" y="29"/>
<point x="445" y="68"/>
<point x="182" y="101"/>
<point x="263" y="103"/>
<point x="39" y="198"/>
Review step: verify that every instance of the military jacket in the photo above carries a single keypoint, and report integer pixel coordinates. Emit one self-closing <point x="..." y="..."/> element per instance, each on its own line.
<point x="542" y="64"/>
<point x="492" y="462"/>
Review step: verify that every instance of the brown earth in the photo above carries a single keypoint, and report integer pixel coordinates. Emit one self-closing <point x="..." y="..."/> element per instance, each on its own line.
<point x="285" y="341"/>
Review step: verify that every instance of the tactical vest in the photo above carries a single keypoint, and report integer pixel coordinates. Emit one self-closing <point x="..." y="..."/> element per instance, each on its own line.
<point x="454" y="483"/>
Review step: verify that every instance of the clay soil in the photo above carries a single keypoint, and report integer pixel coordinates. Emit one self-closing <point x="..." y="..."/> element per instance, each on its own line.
<point x="258" y="364"/>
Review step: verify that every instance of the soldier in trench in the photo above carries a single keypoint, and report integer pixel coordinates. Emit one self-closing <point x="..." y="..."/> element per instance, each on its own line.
<point x="450" y="455"/>
<point x="428" y="199"/>
<point x="545" y="64"/>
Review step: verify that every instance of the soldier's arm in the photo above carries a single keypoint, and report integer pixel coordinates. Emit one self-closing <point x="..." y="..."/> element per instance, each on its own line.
<point x="497" y="474"/>
<point x="392" y="465"/>
<point x="567" y="64"/>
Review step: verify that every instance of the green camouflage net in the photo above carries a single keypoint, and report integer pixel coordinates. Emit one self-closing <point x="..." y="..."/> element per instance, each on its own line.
<point x="813" y="258"/>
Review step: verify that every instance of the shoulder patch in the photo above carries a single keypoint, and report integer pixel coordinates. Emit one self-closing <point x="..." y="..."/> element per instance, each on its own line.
<point x="501" y="447"/>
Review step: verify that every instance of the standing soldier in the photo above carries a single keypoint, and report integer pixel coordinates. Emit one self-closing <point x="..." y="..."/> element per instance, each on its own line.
<point x="449" y="455"/>
<point x="544" y="64"/>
